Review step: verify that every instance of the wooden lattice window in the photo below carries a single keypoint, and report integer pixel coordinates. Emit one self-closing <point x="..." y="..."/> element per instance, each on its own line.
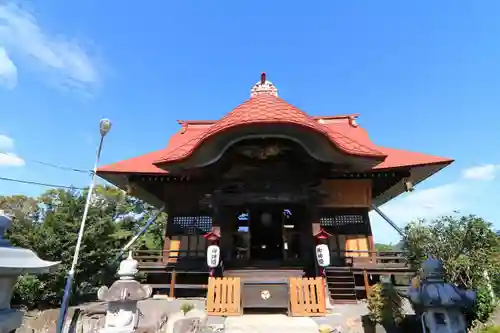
<point x="190" y="225"/>
<point x="341" y="220"/>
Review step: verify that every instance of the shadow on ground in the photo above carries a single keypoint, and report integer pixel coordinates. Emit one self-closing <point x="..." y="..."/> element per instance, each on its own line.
<point x="411" y="324"/>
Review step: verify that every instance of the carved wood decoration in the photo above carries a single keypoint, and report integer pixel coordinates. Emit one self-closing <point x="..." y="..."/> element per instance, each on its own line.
<point x="262" y="152"/>
<point x="346" y="193"/>
<point x="272" y="180"/>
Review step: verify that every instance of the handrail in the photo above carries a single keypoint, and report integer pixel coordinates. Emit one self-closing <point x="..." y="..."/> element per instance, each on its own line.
<point x="152" y="256"/>
<point x="350" y="256"/>
<point x="398" y="258"/>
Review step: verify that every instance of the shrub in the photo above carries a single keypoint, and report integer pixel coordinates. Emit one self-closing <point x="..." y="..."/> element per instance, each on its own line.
<point x="467" y="246"/>
<point x="186" y="307"/>
<point x="484" y="306"/>
<point x="385" y="304"/>
<point x="28" y="290"/>
<point x="490" y="329"/>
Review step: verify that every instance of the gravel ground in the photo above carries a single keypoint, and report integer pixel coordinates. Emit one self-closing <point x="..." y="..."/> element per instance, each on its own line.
<point x="347" y="316"/>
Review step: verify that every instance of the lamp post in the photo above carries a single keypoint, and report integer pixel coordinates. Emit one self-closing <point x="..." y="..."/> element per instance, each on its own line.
<point x="104" y="127"/>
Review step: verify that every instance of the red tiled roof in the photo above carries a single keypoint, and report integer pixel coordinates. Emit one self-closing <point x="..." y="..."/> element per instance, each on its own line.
<point x="193" y="131"/>
<point x="268" y="109"/>
<point x="141" y="164"/>
<point x="397" y="158"/>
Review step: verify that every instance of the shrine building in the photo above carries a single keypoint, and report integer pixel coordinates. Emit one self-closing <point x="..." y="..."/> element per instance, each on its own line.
<point x="265" y="182"/>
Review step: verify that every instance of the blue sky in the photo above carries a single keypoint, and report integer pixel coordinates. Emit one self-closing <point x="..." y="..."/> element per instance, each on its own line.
<point x="424" y="76"/>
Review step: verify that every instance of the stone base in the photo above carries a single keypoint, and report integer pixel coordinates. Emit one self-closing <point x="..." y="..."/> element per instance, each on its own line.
<point x="191" y="322"/>
<point x="10" y="320"/>
<point x="328" y="299"/>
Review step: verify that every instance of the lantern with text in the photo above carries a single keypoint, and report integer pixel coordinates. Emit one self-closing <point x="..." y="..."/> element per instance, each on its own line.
<point x="213" y="256"/>
<point x="323" y="255"/>
<point x="322" y="250"/>
<point x="213" y="251"/>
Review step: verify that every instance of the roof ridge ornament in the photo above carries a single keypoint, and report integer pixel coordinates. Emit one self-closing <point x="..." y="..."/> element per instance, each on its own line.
<point x="264" y="87"/>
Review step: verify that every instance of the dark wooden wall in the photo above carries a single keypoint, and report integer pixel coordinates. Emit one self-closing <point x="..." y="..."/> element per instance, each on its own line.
<point x="350" y="230"/>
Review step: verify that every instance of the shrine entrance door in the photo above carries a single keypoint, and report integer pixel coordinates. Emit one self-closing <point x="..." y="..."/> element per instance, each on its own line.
<point x="266" y="233"/>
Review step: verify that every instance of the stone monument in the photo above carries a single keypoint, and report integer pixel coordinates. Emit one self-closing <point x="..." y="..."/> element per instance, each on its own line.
<point x="14" y="262"/>
<point x="122" y="315"/>
<point x="442" y="304"/>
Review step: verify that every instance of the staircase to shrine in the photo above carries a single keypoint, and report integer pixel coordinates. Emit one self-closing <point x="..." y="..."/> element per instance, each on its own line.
<point x="341" y="285"/>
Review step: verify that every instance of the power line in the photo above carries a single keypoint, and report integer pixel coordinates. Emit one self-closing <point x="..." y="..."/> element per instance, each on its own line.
<point x="53" y="165"/>
<point x="40" y="184"/>
<point x="60" y="167"/>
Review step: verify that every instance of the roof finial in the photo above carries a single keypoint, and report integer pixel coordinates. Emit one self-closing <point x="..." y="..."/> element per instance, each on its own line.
<point x="264" y="87"/>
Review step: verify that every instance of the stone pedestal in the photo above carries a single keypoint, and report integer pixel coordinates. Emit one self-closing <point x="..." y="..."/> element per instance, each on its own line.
<point x="191" y="322"/>
<point x="122" y="315"/>
<point x="13" y="263"/>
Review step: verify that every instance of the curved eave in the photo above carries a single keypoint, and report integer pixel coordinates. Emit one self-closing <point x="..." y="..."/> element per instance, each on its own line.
<point x="319" y="144"/>
<point x="120" y="180"/>
<point x="418" y="173"/>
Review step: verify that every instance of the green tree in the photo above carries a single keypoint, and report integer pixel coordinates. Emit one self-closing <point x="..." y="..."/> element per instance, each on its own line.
<point x="49" y="225"/>
<point x="467" y="246"/>
<point x="379" y="247"/>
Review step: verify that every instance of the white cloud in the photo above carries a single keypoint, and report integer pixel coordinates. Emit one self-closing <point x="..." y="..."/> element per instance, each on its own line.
<point x="21" y="33"/>
<point x="426" y="203"/>
<point x="8" y="71"/>
<point x="420" y="204"/>
<point x="11" y="160"/>
<point x="463" y="196"/>
<point x="7" y="157"/>
<point x="485" y="172"/>
<point x="6" y="143"/>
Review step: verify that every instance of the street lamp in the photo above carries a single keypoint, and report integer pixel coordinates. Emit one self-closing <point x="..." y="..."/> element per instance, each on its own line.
<point x="104" y="127"/>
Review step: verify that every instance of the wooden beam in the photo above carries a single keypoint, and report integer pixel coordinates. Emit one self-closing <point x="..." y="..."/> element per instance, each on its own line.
<point x="329" y="175"/>
<point x="173" y="276"/>
<point x="367" y="283"/>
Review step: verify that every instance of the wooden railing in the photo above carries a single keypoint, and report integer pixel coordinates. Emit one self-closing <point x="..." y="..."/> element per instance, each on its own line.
<point x="162" y="257"/>
<point x="362" y="262"/>
<point x="156" y="261"/>
<point x="371" y="259"/>
<point x="353" y="258"/>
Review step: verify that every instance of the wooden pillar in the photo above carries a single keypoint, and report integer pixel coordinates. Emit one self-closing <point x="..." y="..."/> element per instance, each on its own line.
<point x="367" y="283"/>
<point x="216" y="221"/>
<point x="315" y="229"/>
<point x="371" y="243"/>
<point x="166" y="240"/>
<point x="173" y="276"/>
<point x="221" y="221"/>
<point x="228" y="220"/>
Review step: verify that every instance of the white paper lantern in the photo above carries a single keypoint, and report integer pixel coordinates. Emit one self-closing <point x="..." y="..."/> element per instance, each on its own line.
<point x="213" y="256"/>
<point x="323" y="255"/>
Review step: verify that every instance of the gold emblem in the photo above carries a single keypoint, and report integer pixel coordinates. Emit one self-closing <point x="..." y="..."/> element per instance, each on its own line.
<point x="265" y="294"/>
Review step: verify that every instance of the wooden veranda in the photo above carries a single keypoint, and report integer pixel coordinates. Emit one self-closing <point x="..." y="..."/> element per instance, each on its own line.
<point x="347" y="282"/>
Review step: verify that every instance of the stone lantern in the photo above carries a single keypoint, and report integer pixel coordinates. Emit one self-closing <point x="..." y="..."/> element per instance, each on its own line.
<point x="14" y="262"/>
<point x="122" y="315"/>
<point x="442" y="304"/>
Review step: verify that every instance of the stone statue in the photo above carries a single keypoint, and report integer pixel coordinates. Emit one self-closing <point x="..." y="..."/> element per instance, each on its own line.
<point x="122" y="315"/>
<point x="14" y="262"/>
<point x="443" y="304"/>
